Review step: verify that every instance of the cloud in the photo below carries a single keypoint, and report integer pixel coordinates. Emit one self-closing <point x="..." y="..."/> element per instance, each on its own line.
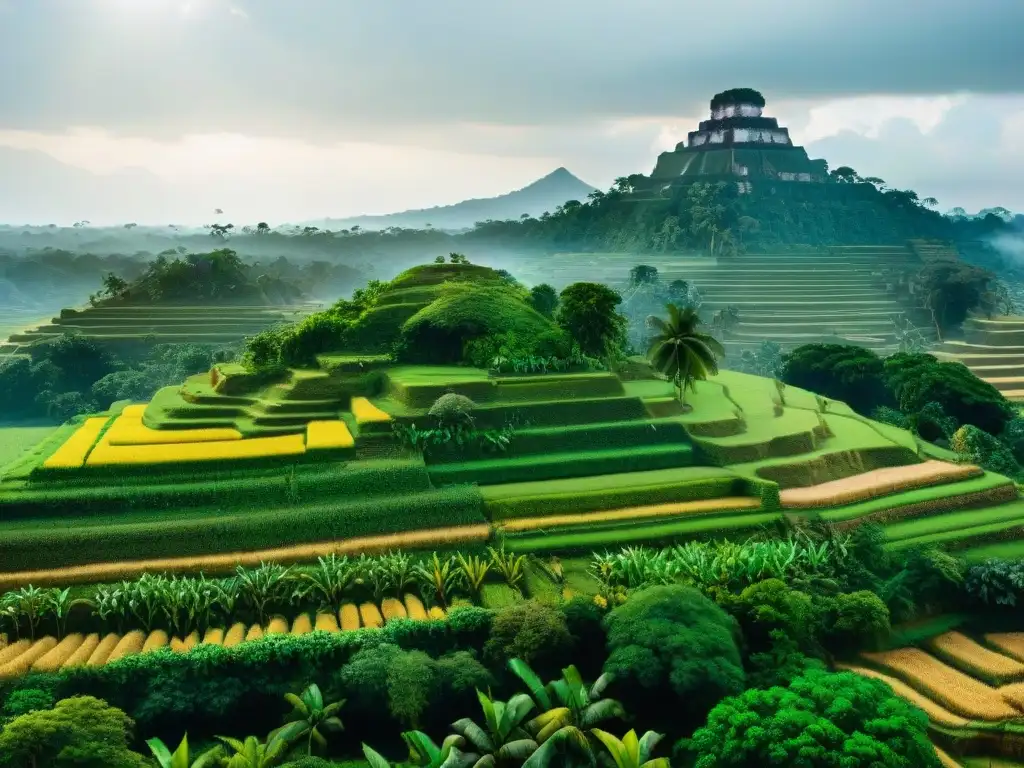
<point x="327" y="70"/>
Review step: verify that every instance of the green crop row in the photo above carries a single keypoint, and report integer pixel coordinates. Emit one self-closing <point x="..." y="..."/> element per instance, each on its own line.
<point x="519" y="469"/>
<point x="836" y="466"/>
<point x="899" y="506"/>
<point x="55" y="543"/>
<point x="775" y="447"/>
<point x="251" y="491"/>
<point x="652" y="533"/>
<point x="583" y="497"/>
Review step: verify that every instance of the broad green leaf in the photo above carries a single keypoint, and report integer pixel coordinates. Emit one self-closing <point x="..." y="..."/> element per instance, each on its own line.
<point x="524" y="672"/>
<point x="374" y="758"/>
<point x="161" y="753"/>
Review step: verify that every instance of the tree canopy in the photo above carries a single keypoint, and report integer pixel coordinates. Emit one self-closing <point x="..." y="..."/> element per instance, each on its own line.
<point x="821" y="720"/>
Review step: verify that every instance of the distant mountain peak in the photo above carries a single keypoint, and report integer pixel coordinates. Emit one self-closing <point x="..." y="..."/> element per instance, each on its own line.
<point x="544" y="194"/>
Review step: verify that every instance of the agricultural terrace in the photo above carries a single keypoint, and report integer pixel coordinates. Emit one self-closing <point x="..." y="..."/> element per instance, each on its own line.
<point x="258" y="460"/>
<point x="971" y="688"/>
<point x="131" y="330"/>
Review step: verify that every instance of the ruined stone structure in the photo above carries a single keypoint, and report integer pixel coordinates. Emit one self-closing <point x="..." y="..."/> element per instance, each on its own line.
<point x="737" y="144"/>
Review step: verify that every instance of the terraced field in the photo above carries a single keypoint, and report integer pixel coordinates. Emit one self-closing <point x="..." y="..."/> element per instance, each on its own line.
<point x="971" y="688"/>
<point x="130" y="328"/>
<point x="790" y="297"/>
<point x="994" y="351"/>
<point x="306" y="465"/>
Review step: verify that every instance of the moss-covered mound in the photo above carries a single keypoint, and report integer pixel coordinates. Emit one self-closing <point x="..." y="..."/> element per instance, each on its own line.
<point x="439" y="332"/>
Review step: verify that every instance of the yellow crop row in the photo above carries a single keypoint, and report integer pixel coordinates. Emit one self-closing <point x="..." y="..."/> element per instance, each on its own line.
<point x="128" y="430"/>
<point x="945" y="685"/>
<point x="1010" y="643"/>
<point x="1013" y="695"/>
<point x="631" y="513"/>
<point x="324" y="435"/>
<point x="49" y="655"/>
<point x="977" y="659"/>
<point x="73" y="452"/>
<point x="367" y="413"/>
<point x="937" y="714"/>
<point x="256" y="447"/>
<point x="878" y="482"/>
<point x="104" y="572"/>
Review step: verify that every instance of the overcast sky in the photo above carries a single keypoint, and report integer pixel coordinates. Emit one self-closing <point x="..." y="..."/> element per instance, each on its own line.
<point x="280" y="110"/>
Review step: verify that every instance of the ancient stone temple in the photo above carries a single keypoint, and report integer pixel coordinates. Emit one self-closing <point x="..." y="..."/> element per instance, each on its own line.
<point x="737" y="144"/>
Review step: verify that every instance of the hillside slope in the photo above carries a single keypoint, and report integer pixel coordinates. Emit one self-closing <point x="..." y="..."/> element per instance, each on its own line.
<point x="545" y="194"/>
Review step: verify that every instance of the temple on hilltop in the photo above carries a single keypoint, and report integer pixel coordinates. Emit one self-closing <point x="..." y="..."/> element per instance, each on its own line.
<point x="737" y="144"/>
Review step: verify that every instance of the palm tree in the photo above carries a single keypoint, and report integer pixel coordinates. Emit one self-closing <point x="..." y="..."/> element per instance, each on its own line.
<point x="309" y="718"/>
<point x="681" y="352"/>
<point x="252" y="753"/>
<point x="180" y="757"/>
<point x="632" y="752"/>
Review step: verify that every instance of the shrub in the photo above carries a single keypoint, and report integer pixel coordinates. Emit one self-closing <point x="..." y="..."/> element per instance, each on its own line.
<point x="820" y="720"/>
<point x="1012" y="437"/>
<point x="887" y="415"/>
<point x="919" y="379"/>
<point x="544" y="299"/>
<point x="977" y="447"/>
<point x="672" y="650"/>
<point x="849" y="373"/>
<point x="770" y="606"/>
<point x="533" y="631"/>
<point x="452" y="409"/>
<point x="83" y="732"/>
<point x="316" y="334"/>
<point x="854" y="620"/>
<point x="240" y="688"/>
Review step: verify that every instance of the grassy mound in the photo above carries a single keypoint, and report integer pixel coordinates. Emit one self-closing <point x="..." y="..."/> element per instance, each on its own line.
<point x="438" y="333"/>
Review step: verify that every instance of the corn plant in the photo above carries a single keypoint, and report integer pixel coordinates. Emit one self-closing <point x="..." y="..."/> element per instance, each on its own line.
<point x="374" y="574"/>
<point x="399" y="570"/>
<point x="509" y="565"/>
<point x="329" y="582"/>
<point x="31" y="603"/>
<point x="59" y="605"/>
<point x="438" y="578"/>
<point x="111" y="603"/>
<point x="261" y="587"/>
<point x="474" y="571"/>
<point x="147" y="598"/>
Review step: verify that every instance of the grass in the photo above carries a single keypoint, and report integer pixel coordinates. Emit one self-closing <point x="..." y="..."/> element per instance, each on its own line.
<point x="18" y="438"/>
<point x="954" y="521"/>
<point x="591" y="494"/>
<point x="571" y="464"/>
<point x="636" y="533"/>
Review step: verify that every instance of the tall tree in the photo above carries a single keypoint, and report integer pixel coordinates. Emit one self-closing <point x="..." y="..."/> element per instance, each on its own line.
<point x="588" y="313"/>
<point x="681" y="352"/>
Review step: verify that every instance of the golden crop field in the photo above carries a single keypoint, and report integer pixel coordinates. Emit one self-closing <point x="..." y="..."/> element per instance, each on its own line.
<point x="105" y="454"/>
<point x="129" y="430"/>
<point x="954" y="690"/>
<point x="73" y="452"/>
<point x="1010" y="643"/>
<point x="47" y="654"/>
<point x="323" y="435"/>
<point x="878" y="482"/>
<point x="936" y="713"/>
<point x="367" y="413"/>
<point x="976" y="659"/>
